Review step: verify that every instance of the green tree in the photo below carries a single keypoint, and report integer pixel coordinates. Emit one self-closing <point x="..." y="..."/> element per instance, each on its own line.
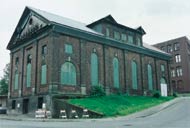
<point x="4" y="80"/>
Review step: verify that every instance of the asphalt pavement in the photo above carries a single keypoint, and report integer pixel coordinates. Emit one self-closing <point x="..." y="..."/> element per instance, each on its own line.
<point x="172" y="114"/>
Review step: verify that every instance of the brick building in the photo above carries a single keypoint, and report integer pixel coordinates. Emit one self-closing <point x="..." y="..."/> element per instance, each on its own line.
<point x="51" y="55"/>
<point x="180" y="63"/>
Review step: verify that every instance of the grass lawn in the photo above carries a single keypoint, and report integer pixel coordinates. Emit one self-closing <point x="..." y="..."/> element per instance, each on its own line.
<point x="117" y="105"/>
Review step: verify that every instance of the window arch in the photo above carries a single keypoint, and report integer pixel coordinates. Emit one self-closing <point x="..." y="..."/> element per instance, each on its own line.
<point x="68" y="74"/>
<point x="134" y="75"/>
<point x="150" y="80"/>
<point x="116" y="72"/>
<point x="94" y="69"/>
<point x="163" y="80"/>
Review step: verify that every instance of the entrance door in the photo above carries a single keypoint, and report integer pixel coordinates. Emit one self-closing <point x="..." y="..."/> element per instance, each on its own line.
<point x="25" y="106"/>
<point x="40" y="102"/>
<point x="163" y="87"/>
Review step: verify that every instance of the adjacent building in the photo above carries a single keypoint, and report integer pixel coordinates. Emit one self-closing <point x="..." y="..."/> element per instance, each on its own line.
<point x="3" y="100"/>
<point x="180" y="63"/>
<point x="56" y="56"/>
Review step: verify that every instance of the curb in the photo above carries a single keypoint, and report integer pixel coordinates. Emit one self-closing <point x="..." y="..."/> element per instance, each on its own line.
<point x="141" y="114"/>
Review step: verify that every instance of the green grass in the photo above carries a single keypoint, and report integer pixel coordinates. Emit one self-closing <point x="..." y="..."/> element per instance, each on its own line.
<point x="117" y="105"/>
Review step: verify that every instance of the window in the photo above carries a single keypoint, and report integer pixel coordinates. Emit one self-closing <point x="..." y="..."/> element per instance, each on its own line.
<point x="116" y="35"/>
<point x="68" y="48"/>
<point x="16" y="74"/>
<point x="179" y="71"/>
<point x="138" y="41"/>
<point x="43" y="74"/>
<point x="107" y="32"/>
<point x="28" y="71"/>
<point x="98" y="28"/>
<point x="116" y="72"/>
<point x="17" y="61"/>
<point x="176" y="46"/>
<point x="94" y="69"/>
<point x="150" y="81"/>
<point x="134" y="75"/>
<point x="177" y="58"/>
<point x="44" y="50"/>
<point x="173" y="73"/>
<point x="170" y="48"/>
<point x="179" y="83"/>
<point x="174" y="85"/>
<point x="130" y="39"/>
<point x="162" y="68"/>
<point x="68" y="74"/>
<point x="163" y="48"/>
<point x="123" y="37"/>
<point x="16" y="80"/>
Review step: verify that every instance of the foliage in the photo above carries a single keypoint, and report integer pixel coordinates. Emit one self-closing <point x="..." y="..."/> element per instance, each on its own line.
<point x="175" y="94"/>
<point x="4" y="80"/>
<point x="115" y="105"/>
<point x="156" y="94"/>
<point x="97" y="91"/>
<point x="118" y="91"/>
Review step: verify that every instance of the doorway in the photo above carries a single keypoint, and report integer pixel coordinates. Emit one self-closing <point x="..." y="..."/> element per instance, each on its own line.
<point x="25" y="106"/>
<point x="40" y="102"/>
<point x="163" y="84"/>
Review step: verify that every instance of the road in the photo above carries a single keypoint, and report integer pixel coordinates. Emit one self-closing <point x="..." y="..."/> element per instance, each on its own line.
<point x="174" y="116"/>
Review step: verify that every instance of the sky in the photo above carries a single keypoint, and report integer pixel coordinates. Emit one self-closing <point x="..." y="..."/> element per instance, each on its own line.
<point x="161" y="19"/>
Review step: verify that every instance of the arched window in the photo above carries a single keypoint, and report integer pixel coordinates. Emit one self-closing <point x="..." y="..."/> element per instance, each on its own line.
<point x="16" y="80"/>
<point x="16" y="74"/>
<point x="150" y="81"/>
<point x="134" y="75"/>
<point x="43" y="74"/>
<point x="94" y="69"/>
<point x="162" y="81"/>
<point x="28" y="71"/>
<point x="116" y="73"/>
<point x="68" y="74"/>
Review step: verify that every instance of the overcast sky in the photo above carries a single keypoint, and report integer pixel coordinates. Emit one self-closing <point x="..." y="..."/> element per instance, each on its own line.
<point x="161" y="19"/>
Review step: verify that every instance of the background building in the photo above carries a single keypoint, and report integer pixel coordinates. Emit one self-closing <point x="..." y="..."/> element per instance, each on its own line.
<point x="180" y="63"/>
<point x="55" y="56"/>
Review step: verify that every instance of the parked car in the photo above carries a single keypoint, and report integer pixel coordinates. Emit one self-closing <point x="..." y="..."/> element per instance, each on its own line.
<point x="3" y="110"/>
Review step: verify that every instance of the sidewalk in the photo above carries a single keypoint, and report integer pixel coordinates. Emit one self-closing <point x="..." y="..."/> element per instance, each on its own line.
<point x="141" y="114"/>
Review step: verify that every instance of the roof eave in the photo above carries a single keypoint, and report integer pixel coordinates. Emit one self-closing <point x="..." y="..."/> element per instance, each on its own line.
<point x="106" y="41"/>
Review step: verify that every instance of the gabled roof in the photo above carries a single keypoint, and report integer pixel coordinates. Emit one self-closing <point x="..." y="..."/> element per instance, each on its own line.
<point x="62" y="20"/>
<point x="141" y="29"/>
<point x="77" y="29"/>
<point x="49" y="18"/>
<point x="111" y="20"/>
<point x="107" y="18"/>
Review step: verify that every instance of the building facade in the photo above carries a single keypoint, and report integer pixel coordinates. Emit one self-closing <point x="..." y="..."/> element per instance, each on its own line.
<point x="180" y="63"/>
<point x="3" y="100"/>
<point x="51" y="55"/>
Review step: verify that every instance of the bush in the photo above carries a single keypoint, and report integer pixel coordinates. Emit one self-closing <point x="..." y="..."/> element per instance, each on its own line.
<point x="175" y="94"/>
<point x="97" y="91"/>
<point x="156" y="94"/>
<point x="118" y="91"/>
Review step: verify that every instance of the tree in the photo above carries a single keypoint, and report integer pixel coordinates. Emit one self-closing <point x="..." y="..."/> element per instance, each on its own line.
<point x="5" y="80"/>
